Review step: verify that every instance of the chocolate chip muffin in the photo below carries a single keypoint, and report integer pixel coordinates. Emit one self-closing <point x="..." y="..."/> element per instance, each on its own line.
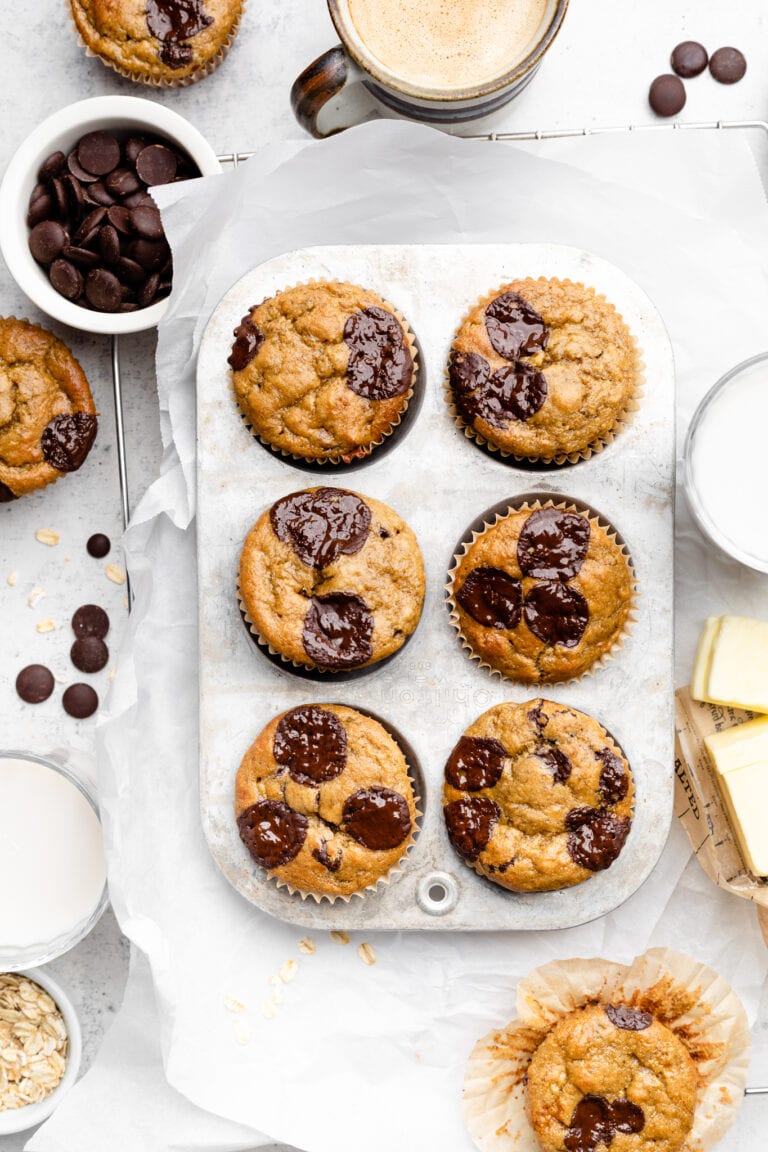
<point x="543" y="370"/>
<point x="324" y="801"/>
<point x="330" y="579"/>
<point x="537" y="796"/>
<point x="323" y="371"/>
<point x="47" y="416"/>
<point x="542" y="594"/>
<point x="611" y="1076"/>
<point x="161" y="42"/>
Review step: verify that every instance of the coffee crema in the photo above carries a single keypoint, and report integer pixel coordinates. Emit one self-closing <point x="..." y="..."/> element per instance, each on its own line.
<point x="448" y="44"/>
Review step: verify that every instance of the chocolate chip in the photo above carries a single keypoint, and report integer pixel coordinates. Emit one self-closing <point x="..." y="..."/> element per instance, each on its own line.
<point x="514" y="393"/>
<point x="553" y="544"/>
<point x="46" y="241"/>
<point x="595" y="838"/>
<point x="492" y="597"/>
<point x="90" y="620"/>
<point x="98" y="152"/>
<point x="556" y="762"/>
<point x="60" y="197"/>
<point x="35" y="683"/>
<point x="377" y="818"/>
<point x="614" y="778"/>
<point x="52" y="166"/>
<point x="475" y="763"/>
<point x="89" y="225"/>
<point x="322" y="525"/>
<point x="103" y="290"/>
<point x="556" y="613"/>
<point x="40" y="209"/>
<point x="470" y="822"/>
<point x="129" y="271"/>
<point x="538" y="717"/>
<point x="99" y="195"/>
<point x="109" y="244"/>
<point x="149" y="253"/>
<point x="322" y="855"/>
<point x="248" y="340"/>
<point x="380" y="365"/>
<point x="89" y="654"/>
<point x="122" y="182"/>
<point x="134" y="145"/>
<point x="98" y="545"/>
<point x="120" y="218"/>
<point x="689" y="59"/>
<point x="311" y="743"/>
<point x="148" y="290"/>
<point x="68" y="439"/>
<point x="667" y="95"/>
<point x="82" y="256"/>
<point x="727" y="65"/>
<point x="627" y="1117"/>
<point x="80" y="701"/>
<point x="75" y="194"/>
<point x="630" y="1019"/>
<point x="146" y="221"/>
<point x="272" y="832"/>
<point x="77" y="170"/>
<point x="337" y="631"/>
<point x="6" y="496"/>
<point x="514" y="327"/>
<point x="66" y="278"/>
<point x="156" y="164"/>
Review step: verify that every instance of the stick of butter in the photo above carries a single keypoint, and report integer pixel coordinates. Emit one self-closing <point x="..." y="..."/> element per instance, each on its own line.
<point x="731" y="665"/>
<point x="746" y="794"/>
<point x="737" y="747"/>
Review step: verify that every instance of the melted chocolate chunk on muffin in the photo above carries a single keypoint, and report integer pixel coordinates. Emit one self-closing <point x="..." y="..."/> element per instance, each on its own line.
<point x="248" y="340"/>
<point x="324" y="802"/>
<point x="553" y="544"/>
<point x="337" y="631"/>
<point x="522" y="797"/>
<point x="380" y="362"/>
<point x="67" y="440"/>
<point x="492" y="598"/>
<point x="174" y="22"/>
<point x="511" y="393"/>
<point x="556" y="613"/>
<point x="322" y="524"/>
<point x="515" y="328"/>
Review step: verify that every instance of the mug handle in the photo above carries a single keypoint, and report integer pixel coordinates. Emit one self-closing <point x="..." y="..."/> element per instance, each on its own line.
<point x="318" y="84"/>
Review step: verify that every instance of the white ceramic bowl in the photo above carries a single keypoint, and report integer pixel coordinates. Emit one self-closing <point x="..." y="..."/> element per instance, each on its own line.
<point x="62" y="131"/>
<point x="19" y="1119"/>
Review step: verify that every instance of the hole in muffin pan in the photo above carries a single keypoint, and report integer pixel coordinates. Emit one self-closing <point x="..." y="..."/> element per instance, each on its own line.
<point x="437" y="893"/>
<point x="389" y="443"/>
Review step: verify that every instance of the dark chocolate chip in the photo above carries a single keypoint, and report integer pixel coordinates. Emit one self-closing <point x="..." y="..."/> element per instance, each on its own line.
<point x="89" y="225"/>
<point x="377" y="818"/>
<point x="627" y="1117"/>
<point x="80" y="701"/>
<point x="98" y="545"/>
<point x="46" y="241"/>
<point x="553" y="544"/>
<point x="156" y="164"/>
<point x="173" y="23"/>
<point x="323" y="856"/>
<point x="109" y="244"/>
<point x="537" y="716"/>
<point x="380" y="365"/>
<point x="590" y="1125"/>
<point x="556" y="613"/>
<point x="122" y="182"/>
<point x="513" y="393"/>
<point x="311" y="743"/>
<point x="248" y="340"/>
<point x="52" y="166"/>
<point x="630" y="1019"/>
<point x="146" y="221"/>
<point x="492" y="597"/>
<point x="129" y="271"/>
<point x="148" y="290"/>
<point x="82" y="256"/>
<point x="667" y="95"/>
<point x="66" y="278"/>
<point x="514" y="327"/>
<point x="34" y="683"/>
<point x="68" y="439"/>
<point x="75" y="194"/>
<point x="40" y="209"/>
<point x="120" y="218"/>
<point x="98" y="195"/>
<point x="90" y="620"/>
<point x="134" y="145"/>
<point x="6" y="496"/>
<point x="556" y="762"/>
<point x="272" y="832"/>
<point x="595" y="838"/>
<point x="689" y="59"/>
<point x="150" y="254"/>
<point x="77" y="170"/>
<point x="475" y="763"/>
<point x="98" y="152"/>
<point x="337" y="631"/>
<point x="89" y="654"/>
<point x="103" y="290"/>
<point x="60" y="197"/>
<point x="322" y="525"/>
<point x="614" y="778"/>
<point x="470" y="822"/>
<point x="727" y="65"/>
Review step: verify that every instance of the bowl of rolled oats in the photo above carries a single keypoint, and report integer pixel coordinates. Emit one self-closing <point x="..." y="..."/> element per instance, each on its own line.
<point x="40" y="1048"/>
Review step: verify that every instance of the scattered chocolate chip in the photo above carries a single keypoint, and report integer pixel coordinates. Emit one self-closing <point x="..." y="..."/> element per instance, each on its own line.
<point x="475" y="763"/>
<point x="614" y="778"/>
<point x="727" y="65"/>
<point x="34" y="683"/>
<point x="52" y="166"/>
<point x="80" y="701"/>
<point x="513" y="393"/>
<point x="156" y="164"/>
<point x="322" y="525"/>
<point x="98" y="152"/>
<point x="90" y="620"/>
<point x="103" y="290"/>
<point x="556" y="613"/>
<point x="553" y="544"/>
<point x="470" y="822"/>
<point x="145" y="220"/>
<point x="689" y="59"/>
<point x="248" y="340"/>
<point x="66" y="278"/>
<point x="556" y="762"/>
<point x="380" y="365"/>
<point x="492" y="597"/>
<point x="337" y="631"/>
<point x="68" y="439"/>
<point x="272" y="832"/>
<point x="595" y="838"/>
<point x="630" y="1019"/>
<point x="98" y="545"/>
<point x="667" y="95"/>
<point x="311" y="743"/>
<point x="46" y="241"/>
<point x="515" y="328"/>
<point x="89" y="654"/>
<point x="377" y="818"/>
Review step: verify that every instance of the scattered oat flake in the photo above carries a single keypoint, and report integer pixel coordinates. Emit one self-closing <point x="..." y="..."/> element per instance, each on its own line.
<point x="47" y="625"/>
<point x="307" y="946"/>
<point x="367" y="954"/>
<point x="242" y="1030"/>
<point x="35" y="595"/>
<point x="268" y="1010"/>
<point x="11" y="579"/>
<point x="47" y="536"/>
<point x="288" y="971"/>
<point x="114" y="573"/>
<point x="233" y="1005"/>
<point x="340" y="937"/>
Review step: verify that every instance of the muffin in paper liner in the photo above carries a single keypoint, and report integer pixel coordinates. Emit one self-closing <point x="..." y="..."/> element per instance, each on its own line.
<point x="532" y="396"/>
<point x="301" y="791"/>
<point x="398" y="404"/>
<point x="165" y="76"/>
<point x="690" y="999"/>
<point x="570" y="670"/>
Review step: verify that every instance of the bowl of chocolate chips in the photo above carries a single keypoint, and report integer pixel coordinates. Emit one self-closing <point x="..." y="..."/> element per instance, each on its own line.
<point x="79" y="229"/>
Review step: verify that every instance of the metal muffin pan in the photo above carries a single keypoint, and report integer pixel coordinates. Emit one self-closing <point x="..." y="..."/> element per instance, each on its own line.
<point x="440" y="482"/>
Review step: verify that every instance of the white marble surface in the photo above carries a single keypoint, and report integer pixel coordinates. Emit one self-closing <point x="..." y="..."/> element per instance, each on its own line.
<point x="597" y="73"/>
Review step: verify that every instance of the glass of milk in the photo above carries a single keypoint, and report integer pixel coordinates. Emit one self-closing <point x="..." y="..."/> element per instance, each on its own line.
<point x="54" y="879"/>
<point x="725" y="463"/>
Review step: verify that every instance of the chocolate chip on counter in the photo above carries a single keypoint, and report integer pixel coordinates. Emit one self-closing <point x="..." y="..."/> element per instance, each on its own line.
<point x="689" y="59"/>
<point x="727" y="65"/>
<point x="89" y="654"/>
<point x="98" y="152"/>
<point x="98" y="545"/>
<point x="80" y="701"/>
<point x="90" y="620"/>
<point x="51" y="167"/>
<point x="156" y="164"/>
<point x="66" y="278"/>
<point x="46" y="241"/>
<point x="68" y="439"/>
<point x="667" y="95"/>
<point x="34" y="683"/>
<point x="103" y="290"/>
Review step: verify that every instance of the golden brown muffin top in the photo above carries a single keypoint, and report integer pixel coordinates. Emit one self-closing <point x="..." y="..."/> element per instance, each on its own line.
<point x="537" y="796"/>
<point x="611" y="1077"/>
<point x="322" y="371"/>
<point x="323" y="800"/>
<point x="47" y="415"/>
<point x="543" y="368"/>
<point x="542" y="594"/>
<point x="332" y="579"/>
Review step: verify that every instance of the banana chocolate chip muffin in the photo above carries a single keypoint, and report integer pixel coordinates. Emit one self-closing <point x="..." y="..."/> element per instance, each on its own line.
<point x="537" y="796"/>
<point x="324" y="801"/>
<point x="165" y="42"/>
<point x="611" y="1076"/>
<point x="323" y="371"/>
<point x="542" y="594"/>
<point x="543" y="369"/>
<point x="47" y="416"/>
<point x="331" y="579"/>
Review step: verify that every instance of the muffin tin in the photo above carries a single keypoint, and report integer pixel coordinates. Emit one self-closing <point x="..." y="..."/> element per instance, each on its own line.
<point x="441" y="483"/>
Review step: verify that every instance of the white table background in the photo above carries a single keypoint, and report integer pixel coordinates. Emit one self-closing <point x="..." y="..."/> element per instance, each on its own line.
<point x="597" y="73"/>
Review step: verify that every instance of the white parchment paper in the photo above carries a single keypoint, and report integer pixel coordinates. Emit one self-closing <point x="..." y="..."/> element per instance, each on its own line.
<point x="354" y="1056"/>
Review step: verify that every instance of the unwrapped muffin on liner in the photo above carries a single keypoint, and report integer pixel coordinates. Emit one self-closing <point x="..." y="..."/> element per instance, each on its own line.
<point x="372" y="818"/>
<point x="397" y="405"/>
<point x="527" y="397"/>
<point x="570" y="669"/>
<point x="693" y="1001"/>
